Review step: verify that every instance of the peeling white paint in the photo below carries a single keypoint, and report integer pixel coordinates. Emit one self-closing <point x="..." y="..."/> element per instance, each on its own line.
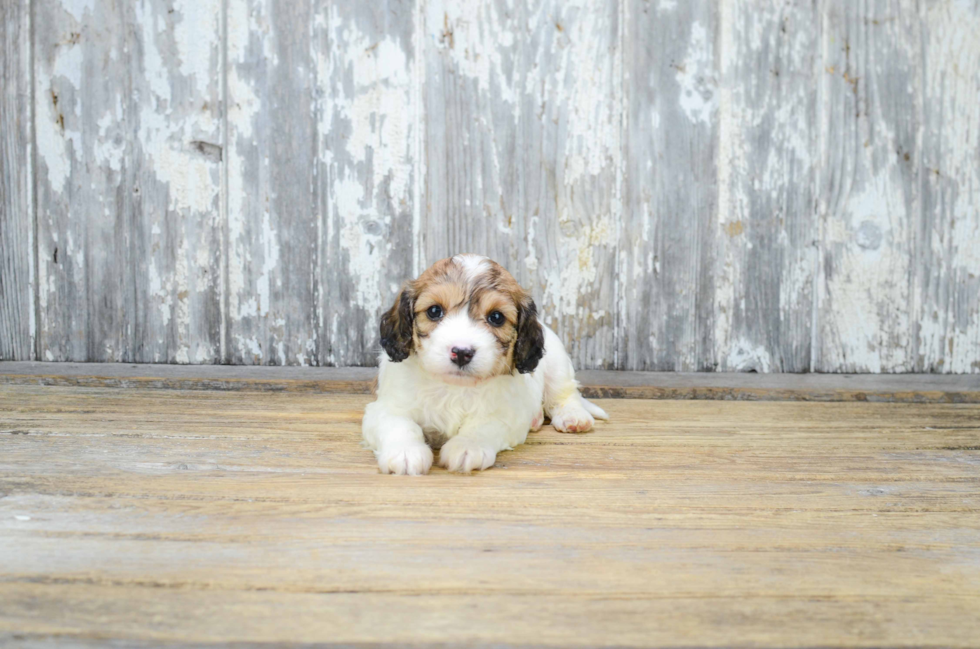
<point x="575" y="77"/>
<point x="110" y="147"/>
<point x="55" y="135"/>
<point x="579" y="268"/>
<point x="870" y="333"/>
<point x="743" y="356"/>
<point x="531" y="259"/>
<point x="78" y="8"/>
<point x="949" y="319"/>
<point x="365" y="250"/>
<point x="730" y="165"/>
<point x="244" y="107"/>
<point x="545" y="74"/>
<point x="476" y="36"/>
<point x="165" y="138"/>
<point x="161" y="292"/>
<point x="697" y="78"/>
<point x="270" y="261"/>
<point x="377" y="113"/>
<point x="369" y="93"/>
<point x="195" y="26"/>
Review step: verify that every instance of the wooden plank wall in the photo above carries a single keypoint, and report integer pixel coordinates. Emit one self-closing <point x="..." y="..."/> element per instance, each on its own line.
<point x="737" y="185"/>
<point x="17" y="264"/>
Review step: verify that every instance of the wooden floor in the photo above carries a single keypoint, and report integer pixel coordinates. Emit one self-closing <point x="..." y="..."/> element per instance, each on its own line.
<point x="202" y="517"/>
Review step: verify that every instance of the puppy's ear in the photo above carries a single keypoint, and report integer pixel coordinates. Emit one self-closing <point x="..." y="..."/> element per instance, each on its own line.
<point x="529" y="347"/>
<point x="397" y="325"/>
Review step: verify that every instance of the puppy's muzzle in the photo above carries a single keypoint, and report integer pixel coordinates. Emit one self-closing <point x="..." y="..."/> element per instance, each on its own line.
<point x="462" y="356"/>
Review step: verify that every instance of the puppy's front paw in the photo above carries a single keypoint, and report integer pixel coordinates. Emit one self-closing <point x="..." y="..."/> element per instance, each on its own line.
<point x="571" y="418"/>
<point x="406" y="460"/>
<point x="462" y="455"/>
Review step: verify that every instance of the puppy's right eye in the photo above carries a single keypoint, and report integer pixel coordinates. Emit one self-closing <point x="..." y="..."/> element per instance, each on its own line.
<point x="434" y="312"/>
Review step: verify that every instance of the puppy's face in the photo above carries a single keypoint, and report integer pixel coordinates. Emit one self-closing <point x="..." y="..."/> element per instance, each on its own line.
<point x="466" y="319"/>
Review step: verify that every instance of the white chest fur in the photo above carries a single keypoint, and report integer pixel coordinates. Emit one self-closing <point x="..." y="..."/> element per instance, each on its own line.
<point x="508" y="403"/>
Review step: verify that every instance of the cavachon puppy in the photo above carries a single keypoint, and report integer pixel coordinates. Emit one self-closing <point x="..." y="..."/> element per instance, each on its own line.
<point x="467" y="369"/>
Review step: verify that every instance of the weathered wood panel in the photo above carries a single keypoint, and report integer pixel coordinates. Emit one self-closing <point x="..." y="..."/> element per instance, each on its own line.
<point x="731" y="185"/>
<point x="766" y="229"/>
<point x="474" y="190"/>
<point x="128" y="121"/>
<point x="272" y="220"/>
<point x="572" y="173"/>
<point x="869" y="189"/>
<point x="368" y="169"/>
<point x="668" y="236"/>
<point x="523" y="153"/>
<point x="947" y="258"/>
<point x="17" y="249"/>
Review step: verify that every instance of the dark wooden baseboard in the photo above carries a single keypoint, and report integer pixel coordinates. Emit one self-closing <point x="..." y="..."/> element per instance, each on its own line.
<point x="911" y="388"/>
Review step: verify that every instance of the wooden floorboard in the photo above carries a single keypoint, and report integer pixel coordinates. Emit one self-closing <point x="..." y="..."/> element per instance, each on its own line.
<point x="896" y="388"/>
<point x="138" y="517"/>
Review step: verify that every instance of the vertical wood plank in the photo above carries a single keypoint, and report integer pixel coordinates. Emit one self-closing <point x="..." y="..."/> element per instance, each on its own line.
<point x="572" y="118"/>
<point x="272" y="216"/>
<point x="17" y="308"/>
<point x="766" y="226"/>
<point x="869" y="184"/>
<point x="367" y="164"/>
<point x="666" y="300"/>
<point x="474" y="189"/>
<point x="947" y="262"/>
<point x="523" y="123"/>
<point x="128" y="141"/>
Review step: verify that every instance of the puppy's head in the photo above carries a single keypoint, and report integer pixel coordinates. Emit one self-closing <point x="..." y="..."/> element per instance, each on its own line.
<point x="466" y="319"/>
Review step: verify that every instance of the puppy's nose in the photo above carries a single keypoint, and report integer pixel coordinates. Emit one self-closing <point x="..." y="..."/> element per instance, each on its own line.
<point x="462" y="355"/>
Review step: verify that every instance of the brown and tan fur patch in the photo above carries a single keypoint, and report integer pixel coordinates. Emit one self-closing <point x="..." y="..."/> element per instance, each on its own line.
<point x="448" y="285"/>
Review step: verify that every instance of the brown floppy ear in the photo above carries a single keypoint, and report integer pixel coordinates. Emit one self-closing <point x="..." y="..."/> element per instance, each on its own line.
<point x="397" y="325"/>
<point x="529" y="347"/>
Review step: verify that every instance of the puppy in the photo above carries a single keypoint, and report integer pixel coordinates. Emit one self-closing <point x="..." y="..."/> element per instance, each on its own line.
<point x="467" y="369"/>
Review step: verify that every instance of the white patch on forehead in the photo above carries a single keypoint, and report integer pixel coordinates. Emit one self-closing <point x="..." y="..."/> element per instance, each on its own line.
<point x="473" y="265"/>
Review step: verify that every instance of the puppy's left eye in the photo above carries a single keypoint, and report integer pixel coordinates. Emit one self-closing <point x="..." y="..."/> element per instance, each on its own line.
<point x="496" y="318"/>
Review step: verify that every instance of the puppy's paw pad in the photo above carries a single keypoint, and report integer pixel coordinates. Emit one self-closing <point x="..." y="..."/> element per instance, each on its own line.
<point x="572" y="418"/>
<point x="406" y="460"/>
<point x="464" y="456"/>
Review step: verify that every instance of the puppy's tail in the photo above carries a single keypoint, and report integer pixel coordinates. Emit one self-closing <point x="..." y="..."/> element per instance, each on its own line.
<point x="593" y="409"/>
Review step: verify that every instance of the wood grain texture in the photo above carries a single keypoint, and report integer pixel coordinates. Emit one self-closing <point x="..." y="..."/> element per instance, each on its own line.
<point x="523" y="153"/>
<point x="667" y="247"/>
<point x="128" y="101"/>
<point x="947" y="258"/>
<point x="272" y="220"/>
<point x="709" y="185"/>
<point x="195" y="517"/>
<point x="368" y="166"/>
<point x="17" y="287"/>
<point x="766" y="231"/>
<point x="869" y="186"/>
<point x="572" y="103"/>
<point x="474" y="189"/>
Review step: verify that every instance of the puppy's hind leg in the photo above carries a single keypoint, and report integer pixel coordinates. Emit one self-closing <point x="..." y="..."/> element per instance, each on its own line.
<point x="570" y="412"/>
